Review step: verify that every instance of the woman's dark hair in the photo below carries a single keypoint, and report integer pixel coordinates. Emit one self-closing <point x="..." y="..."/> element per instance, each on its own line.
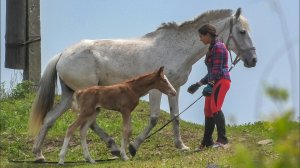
<point x="208" y="29"/>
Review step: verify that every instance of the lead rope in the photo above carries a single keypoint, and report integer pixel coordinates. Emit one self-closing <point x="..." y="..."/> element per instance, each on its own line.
<point x="174" y="118"/>
<point x="236" y="60"/>
<point x="233" y="63"/>
<point x="55" y="162"/>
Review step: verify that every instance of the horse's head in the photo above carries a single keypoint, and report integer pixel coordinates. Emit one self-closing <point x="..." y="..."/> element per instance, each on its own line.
<point x="239" y="40"/>
<point x="162" y="83"/>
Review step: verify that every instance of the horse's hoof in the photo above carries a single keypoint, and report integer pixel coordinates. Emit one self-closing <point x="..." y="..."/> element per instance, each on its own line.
<point x="185" y="148"/>
<point x="181" y="147"/>
<point x="132" y="150"/>
<point x="40" y="160"/>
<point x="114" y="158"/>
<point x="116" y="153"/>
<point x="61" y="163"/>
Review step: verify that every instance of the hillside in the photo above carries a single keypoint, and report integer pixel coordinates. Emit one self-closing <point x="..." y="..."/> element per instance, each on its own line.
<point x="158" y="151"/>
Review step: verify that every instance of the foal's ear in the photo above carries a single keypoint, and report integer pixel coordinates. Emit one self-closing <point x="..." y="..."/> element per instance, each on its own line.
<point x="161" y="70"/>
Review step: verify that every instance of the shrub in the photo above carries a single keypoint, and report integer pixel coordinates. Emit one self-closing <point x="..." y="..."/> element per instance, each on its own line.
<point x="21" y="89"/>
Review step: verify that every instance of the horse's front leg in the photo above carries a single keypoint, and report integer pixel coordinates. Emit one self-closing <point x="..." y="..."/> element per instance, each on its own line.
<point x="174" y="110"/>
<point x="154" y="100"/>
<point x="126" y="134"/>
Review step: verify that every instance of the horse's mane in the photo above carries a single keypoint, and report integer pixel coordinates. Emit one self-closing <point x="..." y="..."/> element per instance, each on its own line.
<point x="244" y="22"/>
<point x="203" y="18"/>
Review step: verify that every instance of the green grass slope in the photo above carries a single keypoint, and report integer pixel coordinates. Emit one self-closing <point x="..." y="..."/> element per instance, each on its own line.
<point x="158" y="151"/>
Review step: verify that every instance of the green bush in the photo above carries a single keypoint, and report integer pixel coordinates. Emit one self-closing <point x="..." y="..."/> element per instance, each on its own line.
<point x="285" y="136"/>
<point x="2" y="91"/>
<point x="21" y="89"/>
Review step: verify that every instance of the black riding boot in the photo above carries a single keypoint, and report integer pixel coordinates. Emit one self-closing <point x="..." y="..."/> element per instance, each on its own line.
<point x="208" y="131"/>
<point x="220" y="123"/>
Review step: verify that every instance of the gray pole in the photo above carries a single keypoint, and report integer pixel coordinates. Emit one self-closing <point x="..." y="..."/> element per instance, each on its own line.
<point x="15" y="37"/>
<point x="22" y="38"/>
<point x="0" y="52"/>
<point x="32" y="69"/>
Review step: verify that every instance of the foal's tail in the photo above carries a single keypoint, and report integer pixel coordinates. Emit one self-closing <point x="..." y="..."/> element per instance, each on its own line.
<point x="75" y="107"/>
<point x="44" y="99"/>
<point x="76" y="103"/>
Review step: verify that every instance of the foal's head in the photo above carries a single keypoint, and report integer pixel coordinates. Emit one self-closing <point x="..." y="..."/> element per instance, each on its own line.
<point x="162" y="83"/>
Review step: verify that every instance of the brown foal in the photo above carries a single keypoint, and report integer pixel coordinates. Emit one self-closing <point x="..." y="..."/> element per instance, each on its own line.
<point x="122" y="97"/>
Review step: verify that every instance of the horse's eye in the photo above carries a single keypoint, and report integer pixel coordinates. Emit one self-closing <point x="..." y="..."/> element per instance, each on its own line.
<point x="243" y="31"/>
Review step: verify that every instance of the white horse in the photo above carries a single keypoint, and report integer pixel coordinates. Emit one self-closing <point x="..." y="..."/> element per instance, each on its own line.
<point x="106" y="62"/>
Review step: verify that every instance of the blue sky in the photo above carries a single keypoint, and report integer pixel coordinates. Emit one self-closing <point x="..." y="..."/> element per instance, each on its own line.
<point x="66" y="22"/>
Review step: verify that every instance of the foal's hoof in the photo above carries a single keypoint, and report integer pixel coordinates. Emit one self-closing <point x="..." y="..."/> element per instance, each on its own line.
<point x="132" y="150"/>
<point x="124" y="157"/>
<point x="91" y="161"/>
<point x="61" y="161"/>
<point x="40" y="160"/>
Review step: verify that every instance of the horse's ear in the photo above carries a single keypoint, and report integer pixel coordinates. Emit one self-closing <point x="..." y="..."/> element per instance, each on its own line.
<point x="238" y="13"/>
<point x="161" y="70"/>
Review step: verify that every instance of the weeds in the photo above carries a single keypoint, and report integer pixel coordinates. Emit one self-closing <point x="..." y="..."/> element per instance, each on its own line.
<point x="285" y="135"/>
<point x="158" y="151"/>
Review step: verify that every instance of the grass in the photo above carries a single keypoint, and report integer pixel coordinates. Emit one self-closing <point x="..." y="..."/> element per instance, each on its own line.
<point x="158" y="151"/>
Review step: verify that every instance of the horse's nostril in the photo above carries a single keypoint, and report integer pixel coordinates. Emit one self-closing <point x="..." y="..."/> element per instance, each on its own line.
<point x="254" y="60"/>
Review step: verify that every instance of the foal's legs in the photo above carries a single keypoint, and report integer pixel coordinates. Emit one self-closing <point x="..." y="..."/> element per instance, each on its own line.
<point x="174" y="110"/>
<point x="83" y="133"/>
<point x="56" y="112"/>
<point x="50" y="119"/>
<point x="78" y="122"/>
<point x="126" y="133"/>
<point x="154" y="100"/>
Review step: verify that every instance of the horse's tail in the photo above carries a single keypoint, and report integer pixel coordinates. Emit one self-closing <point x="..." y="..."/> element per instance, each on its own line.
<point x="44" y="99"/>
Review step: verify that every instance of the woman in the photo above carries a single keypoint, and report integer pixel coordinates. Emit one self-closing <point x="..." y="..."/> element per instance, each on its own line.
<point x="217" y="83"/>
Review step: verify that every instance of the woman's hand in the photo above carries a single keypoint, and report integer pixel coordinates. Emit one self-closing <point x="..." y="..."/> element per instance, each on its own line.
<point x="194" y="87"/>
<point x="208" y="89"/>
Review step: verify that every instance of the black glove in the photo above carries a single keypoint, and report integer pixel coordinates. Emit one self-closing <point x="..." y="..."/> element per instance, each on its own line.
<point x="207" y="90"/>
<point x="193" y="88"/>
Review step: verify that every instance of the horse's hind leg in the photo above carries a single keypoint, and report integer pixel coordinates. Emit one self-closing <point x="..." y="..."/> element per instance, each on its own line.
<point x="110" y="142"/>
<point x="154" y="100"/>
<point x="50" y="119"/>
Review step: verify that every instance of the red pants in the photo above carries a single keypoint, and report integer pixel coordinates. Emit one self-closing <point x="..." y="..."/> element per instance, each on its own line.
<point x="214" y="102"/>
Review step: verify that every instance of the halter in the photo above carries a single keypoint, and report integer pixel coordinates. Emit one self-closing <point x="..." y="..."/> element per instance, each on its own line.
<point x="240" y="50"/>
